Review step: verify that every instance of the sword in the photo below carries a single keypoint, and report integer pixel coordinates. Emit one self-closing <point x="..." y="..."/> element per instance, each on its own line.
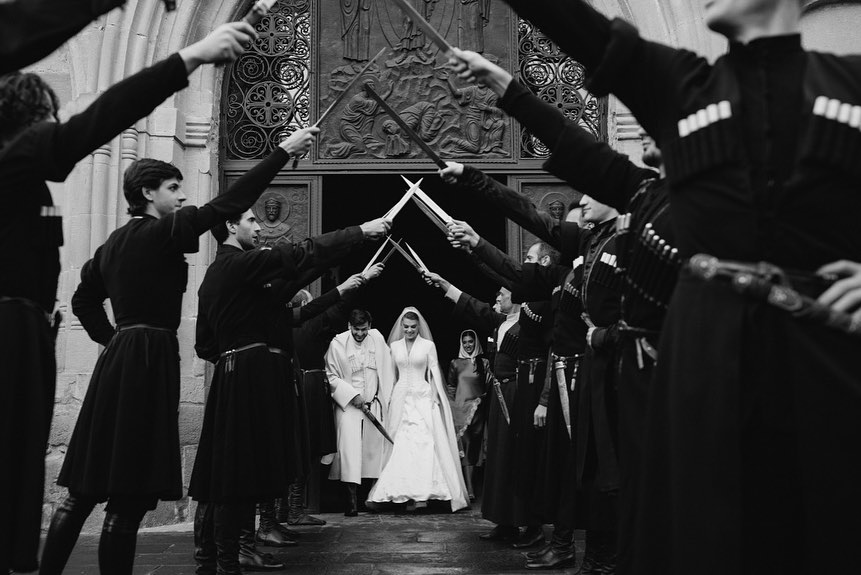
<point x="390" y="215"/>
<point x="405" y="127"/>
<point x="409" y="258"/>
<point x="424" y="25"/>
<point x="432" y="216"/>
<point x="502" y="405"/>
<point x="377" y="253"/>
<point x="372" y="418"/>
<point x="559" y="368"/>
<point x="416" y="257"/>
<point x="441" y="213"/>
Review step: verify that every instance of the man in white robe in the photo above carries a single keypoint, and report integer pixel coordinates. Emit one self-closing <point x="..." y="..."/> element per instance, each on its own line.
<point x="360" y="371"/>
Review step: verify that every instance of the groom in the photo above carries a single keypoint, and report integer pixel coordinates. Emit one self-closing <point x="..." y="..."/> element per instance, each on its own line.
<point x="359" y="369"/>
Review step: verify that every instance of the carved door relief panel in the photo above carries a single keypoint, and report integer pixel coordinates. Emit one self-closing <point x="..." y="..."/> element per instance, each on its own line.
<point x="289" y="211"/>
<point x="548" y="194"/>
<point x="456" y="119"/>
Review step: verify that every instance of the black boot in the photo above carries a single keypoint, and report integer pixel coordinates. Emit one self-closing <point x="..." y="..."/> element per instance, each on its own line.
<point x="228" y="522"/>
<point x="250" y="559"/>
<point x="543" y="550"/>
<point x="592" y="558"/>
<point x="63" y="533"/>
<point x="562" y="552"/>
<point x="531" y="536"/>
<point x="607" y="554"/>
<point x="117" y="543"/>
<point x="501" y="533"/>
<point x="271" y="532"/>
<point x="204" y="539"/>
<point x="296" y="514"/>
<point x="352" y="500"/>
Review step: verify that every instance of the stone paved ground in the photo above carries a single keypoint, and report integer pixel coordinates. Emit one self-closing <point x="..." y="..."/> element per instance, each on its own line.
<point x="371" y="544"/>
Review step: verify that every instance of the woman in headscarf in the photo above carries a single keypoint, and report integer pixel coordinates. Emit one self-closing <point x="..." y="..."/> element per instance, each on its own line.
<point x="424" y="463"/>
<point x="466" y="386"/>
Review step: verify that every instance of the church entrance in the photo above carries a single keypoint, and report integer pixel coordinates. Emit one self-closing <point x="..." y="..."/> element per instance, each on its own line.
<point x="353" y="199"/>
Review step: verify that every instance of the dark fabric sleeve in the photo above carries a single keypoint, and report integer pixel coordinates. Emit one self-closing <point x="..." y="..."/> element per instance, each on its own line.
<point x="32" y="29"/>
<point x="288" y="260"/>
<point x="477" y="313"/>
<point x="507" y="267"/>
<point x="88" y="303"/>
<point x="53" y="149"/>
<point x="549" y="374"/>
<point x="317" y="306"/>
<point x="616" y="58"/>
<point x="205" y="344"/>
<point x="590" y="166"/>
<point x="514" y="206"/>
<point x="538" y="282"/>
<point x="238" y="198"/>
<point x="490" y="273"/>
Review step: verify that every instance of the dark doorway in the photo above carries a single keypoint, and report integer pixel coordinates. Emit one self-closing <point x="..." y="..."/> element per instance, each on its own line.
<point x="353" y="199"/>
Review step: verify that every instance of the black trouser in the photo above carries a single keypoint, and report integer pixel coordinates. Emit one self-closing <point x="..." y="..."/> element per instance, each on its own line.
<point x="117" y="544"/>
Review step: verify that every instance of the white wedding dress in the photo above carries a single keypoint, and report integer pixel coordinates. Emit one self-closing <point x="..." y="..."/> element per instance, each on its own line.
<point x="424" y="462"/>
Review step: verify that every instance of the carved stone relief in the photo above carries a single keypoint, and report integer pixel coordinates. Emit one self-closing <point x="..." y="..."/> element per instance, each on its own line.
<point x="551" y="197"/>
<point x="283" y="214"/>
<point x="456" y="119"/>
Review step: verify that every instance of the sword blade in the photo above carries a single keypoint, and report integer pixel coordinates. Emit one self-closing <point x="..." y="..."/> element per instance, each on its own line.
<point x="415" y="256"/>
<point x="390" y="215"/>
<point x="408" y="257"/>
<point x="443" y="215"/>
<point x="258" y="11"/>
<point x="406" y="127"/>
<point x="377" y="253"/>
<point x="352" y="83"/>
<point x="372" y="418"/>
<point x="563" y="396"/>
<point x="417" y="19"/>
<point x="431" y="215"/>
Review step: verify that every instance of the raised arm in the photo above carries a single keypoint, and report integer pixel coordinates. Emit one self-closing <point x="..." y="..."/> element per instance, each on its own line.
<point x="479" y="314"/>
<point x="88" y="302"/>
<point x="53" y="149"/>
<point x="513" y="205"/>
<point x="242" y="193"/>
<point x="617" y="59"/>
<point x="32" y="29"/>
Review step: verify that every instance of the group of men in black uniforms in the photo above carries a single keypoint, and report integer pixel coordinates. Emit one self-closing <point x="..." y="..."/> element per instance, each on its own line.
<point x="734" y="452"/>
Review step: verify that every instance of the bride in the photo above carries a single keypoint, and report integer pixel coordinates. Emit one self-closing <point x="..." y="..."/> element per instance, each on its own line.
<point x="424" y="463"/>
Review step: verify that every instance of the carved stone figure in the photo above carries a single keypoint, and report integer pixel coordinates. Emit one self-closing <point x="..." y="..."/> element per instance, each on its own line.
<point x="356" y="29"/>
<point x="474" y="16"/>
<point x="396" y="145"/>
<point x="275" y="208"/>
<point x="483" y="125"/>
<point x="355" y="127"/>
<point x="556" y="209"/>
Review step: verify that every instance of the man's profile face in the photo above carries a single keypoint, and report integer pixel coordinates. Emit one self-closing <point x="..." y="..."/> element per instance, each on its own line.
<point x="360" y="332"/>
<point x="167" y="198"/>
<point x="247" y="230"/>
<point x="533" y="256"/>
<point x="503" y="301"/>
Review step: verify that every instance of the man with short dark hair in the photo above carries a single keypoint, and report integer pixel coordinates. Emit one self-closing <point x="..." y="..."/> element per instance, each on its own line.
<point x="125" y="446"/>
<point x="247" y="451"/>
<point x="361" y="376"/>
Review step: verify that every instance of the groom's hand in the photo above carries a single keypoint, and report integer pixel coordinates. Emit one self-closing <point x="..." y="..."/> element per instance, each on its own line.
<point x="358" y="402"/>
